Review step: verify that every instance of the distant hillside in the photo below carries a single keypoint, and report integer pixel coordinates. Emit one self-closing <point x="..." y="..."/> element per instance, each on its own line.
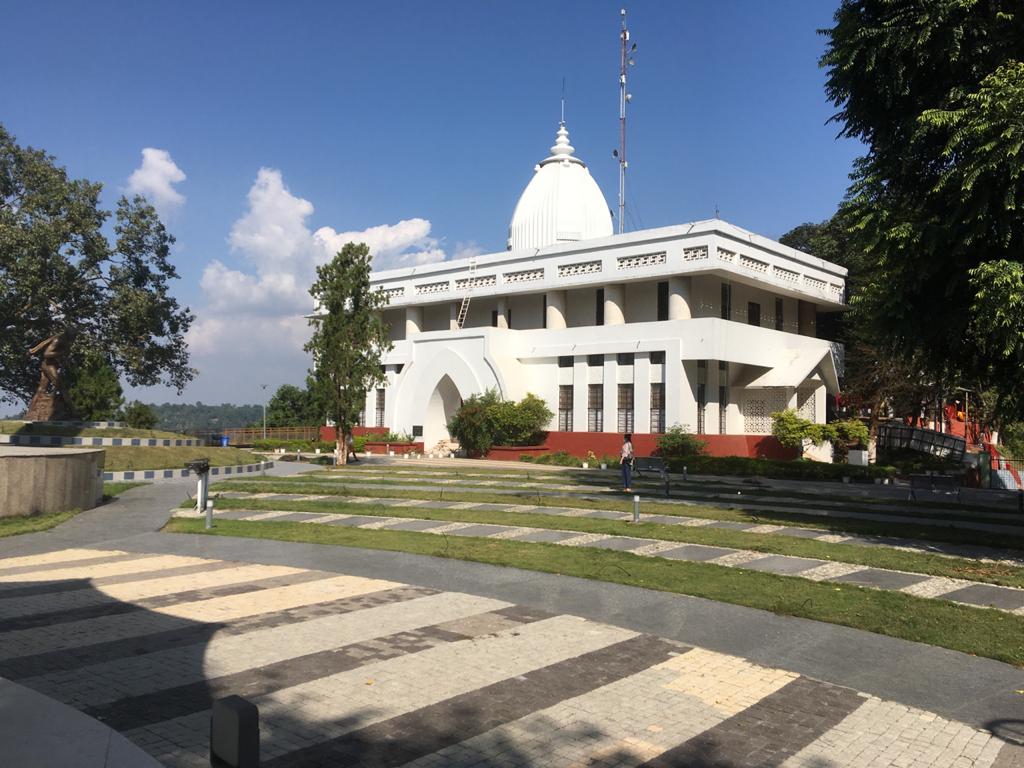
<point x="188" y="417"/>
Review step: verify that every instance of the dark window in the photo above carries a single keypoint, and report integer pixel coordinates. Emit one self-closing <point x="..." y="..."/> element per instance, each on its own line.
<point x="565" y="361"/>
<point x="595" y="408"/>
<point x="599" y="307"/>
<point x="702" y="402"/>
<point x="663" y="301"/>
<point x="723" y="406"/>
<point x="399" y="367"/>
<point x="624" y="358"/>
<point x="726" y="301"/>
<point x="625" y="423"/>
<point x="494" y="318"/>
<point x="657" y="358"/>
<point x="595" y="360"/>
<point x="657" y="408"/>
<point x="702" y="365"/>
<point x="380" y="407"/>
<point x="565" y="408"/>
<point x="508" y="317"/>
<point x="544" y="312"/>
<point x="778" y="314"/>
<point x="753" y="313"/>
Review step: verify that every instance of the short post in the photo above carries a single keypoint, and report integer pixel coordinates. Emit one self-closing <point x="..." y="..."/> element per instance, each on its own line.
<point x="636" y="509"/>
<point x="201" y="469"/>
<point x="209" y="515"/>
<point x="234" y="733"/>
<point x="684" y="474"/>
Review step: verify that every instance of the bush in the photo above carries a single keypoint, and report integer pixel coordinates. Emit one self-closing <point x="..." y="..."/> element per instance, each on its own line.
<point x="138" y="415"/>
<point x="677" y="442"/>
<point x="486" y="420"/>
<point x="791" y="430"/>
<point x="784" y="470"/>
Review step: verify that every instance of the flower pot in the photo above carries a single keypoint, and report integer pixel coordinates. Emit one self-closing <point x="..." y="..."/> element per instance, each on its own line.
<point x="586" y="465"/>
<point x="604" y="466"/>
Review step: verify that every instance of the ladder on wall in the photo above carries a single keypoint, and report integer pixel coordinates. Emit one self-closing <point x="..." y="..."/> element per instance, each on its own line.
<point x="464" y="309"/>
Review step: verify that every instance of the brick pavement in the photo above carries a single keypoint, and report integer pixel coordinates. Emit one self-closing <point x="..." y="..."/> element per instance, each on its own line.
<point x="356" y="671"/>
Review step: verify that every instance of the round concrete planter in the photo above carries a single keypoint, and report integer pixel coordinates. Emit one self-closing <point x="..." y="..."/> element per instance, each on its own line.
<point x="39" y="480"/>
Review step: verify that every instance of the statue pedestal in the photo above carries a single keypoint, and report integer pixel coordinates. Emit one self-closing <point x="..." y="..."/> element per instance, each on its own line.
<point x="48" y="406"/>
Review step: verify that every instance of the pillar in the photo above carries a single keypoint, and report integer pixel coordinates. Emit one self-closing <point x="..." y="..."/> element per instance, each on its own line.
<point x="579" y="394"/>
<point x="453" y="315"/>
<point x="503" y="312"/>
<point x="555" y="310"/>
<point x="610" y="379"/>
<point x="807" y="315"/>
<point x="614" y="301"/>
<point x="413" y="320"/>
<point x="679" y="298"/>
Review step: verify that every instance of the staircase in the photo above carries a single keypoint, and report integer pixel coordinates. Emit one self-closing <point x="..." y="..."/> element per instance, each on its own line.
<point x="464" y="308"/>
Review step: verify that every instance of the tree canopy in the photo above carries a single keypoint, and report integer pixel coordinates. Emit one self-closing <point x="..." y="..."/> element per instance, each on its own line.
<point x="349" y="336"/>
<point x="935" y="90"/>
<point x="59" y="271"/>
<point x="293" y="406"/>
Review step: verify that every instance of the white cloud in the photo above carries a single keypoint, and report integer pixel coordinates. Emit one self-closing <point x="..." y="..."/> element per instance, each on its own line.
<point x="155" y="180"/>
<point x="252" y="327"/>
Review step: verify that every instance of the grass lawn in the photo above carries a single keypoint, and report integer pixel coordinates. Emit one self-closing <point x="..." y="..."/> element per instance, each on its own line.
<point x="113" y="490"/>
<point x="18" y="524"/>
<point x="978" y="631"/>
<point x="132" y="457"/>
<point x="876" y="557"/>
<point x="10" y="427"/>
<point x="783" y="516"/>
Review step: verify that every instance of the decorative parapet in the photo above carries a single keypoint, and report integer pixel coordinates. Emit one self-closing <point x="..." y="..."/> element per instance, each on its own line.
<point x="786" y="275"/>
<point x="439" y="287"/>
<point x="815" y="283"/>
<point x="727" y="256"/>
<point x="579" y="268"/>
<point x="754" y="265"/>
<point x="643" y="260"/>
<point x="393" y="293"/>
<point x="695" y="254"/>
<point x="483" y="281"/>
<point x="524" y="276"/>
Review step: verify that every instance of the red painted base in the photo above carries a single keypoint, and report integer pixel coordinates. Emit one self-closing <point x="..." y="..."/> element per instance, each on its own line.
<point x="609" y="443"/>
<point x="330" y="434"/>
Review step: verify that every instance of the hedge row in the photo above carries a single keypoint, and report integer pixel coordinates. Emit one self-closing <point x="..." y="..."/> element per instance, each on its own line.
<point x="781" y="470"/>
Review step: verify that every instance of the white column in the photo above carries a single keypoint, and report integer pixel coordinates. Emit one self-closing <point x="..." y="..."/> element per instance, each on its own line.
<point x="579" y="394"/>
<point x="679" y="298"/>
<point x="611" y="387"/>
<point x="614" y="301"/>
<point x="503" y="312"/>
<point x="642" y="393"/>
<point x="413" y="321"/>
<point x="453" y="315"/>
<point x="555" y="310"/>
<point x="713" y="406"/>
<point x="680" y="398"/>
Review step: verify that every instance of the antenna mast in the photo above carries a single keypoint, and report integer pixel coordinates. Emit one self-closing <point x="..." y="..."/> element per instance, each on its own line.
<point x="626" y="61"/>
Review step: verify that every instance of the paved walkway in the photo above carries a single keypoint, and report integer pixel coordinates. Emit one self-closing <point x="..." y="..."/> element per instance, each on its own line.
<point x="1008" y="599"/>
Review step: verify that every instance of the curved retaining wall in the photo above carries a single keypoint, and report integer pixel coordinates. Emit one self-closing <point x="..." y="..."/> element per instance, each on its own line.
<point x="158" y="475"/>
<point x="112" y="442"/>
<point x="34" y="481"/>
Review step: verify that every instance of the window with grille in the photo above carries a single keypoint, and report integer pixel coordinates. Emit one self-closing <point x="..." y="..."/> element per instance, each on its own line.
<point x="702" y="404"/>
<point x="380" y="407"/>
<point x="726" y="301"/>
<point x="595" y="408"/>
<point x="657" y="408"/>
<point x="779" y="317"/>
<point x="657" y="358"/>
<point x="753" y="313"/>
<point x="625" y="422"/>
<point x="723" y="395"/>
<point x="624" y="358"/>
<point x="663" y="301"/>
<point x="565" y="361"/>
<point x="565" y="408"/>
<point x="595" y="360"/>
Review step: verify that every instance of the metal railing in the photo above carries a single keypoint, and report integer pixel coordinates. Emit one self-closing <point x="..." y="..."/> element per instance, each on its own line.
<point x="905" y="437"/>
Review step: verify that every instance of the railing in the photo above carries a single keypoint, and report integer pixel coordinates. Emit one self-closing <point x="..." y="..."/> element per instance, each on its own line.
<point x="905" y="437"/>
<point x="1006" y="474"/>
<point x="247" y="436"/>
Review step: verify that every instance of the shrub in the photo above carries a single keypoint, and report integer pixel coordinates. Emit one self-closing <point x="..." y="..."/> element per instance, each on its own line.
<point x="138" y="415"/>
<point x="486" y="420"/>
<point x="678" y="442"/>
<point x="785" y="470"/>
<point x="791" y="430"/>
<point x="472" y="425"/>
<point x="852" y="432"/>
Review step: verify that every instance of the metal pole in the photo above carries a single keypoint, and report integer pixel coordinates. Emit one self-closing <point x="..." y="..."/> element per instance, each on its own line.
<point x="636" y="509"/>
<point x="209" y="515"/>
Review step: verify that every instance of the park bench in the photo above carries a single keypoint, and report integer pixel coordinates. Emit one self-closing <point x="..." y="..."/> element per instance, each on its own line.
<point x="656" y="464"/>
<point x="932" y="483"/>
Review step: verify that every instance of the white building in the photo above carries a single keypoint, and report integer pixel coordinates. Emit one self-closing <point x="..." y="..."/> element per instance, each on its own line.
<point x="701" y="324"/>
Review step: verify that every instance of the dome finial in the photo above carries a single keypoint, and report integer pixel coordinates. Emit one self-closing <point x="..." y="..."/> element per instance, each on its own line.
<point x="562" y="149"/>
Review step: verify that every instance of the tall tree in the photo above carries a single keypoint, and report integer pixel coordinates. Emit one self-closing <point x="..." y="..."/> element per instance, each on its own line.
<point x="293" y="406"/>
<point x="349" y="337"/>
<point x="59" y="272"/>
<point x="935" y="90"/>
<point x="94" y="388"/>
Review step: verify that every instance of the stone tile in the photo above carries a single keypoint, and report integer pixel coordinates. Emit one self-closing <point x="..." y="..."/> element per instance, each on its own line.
<point x="803" y="533"/>
<point x="355" y="520"/>
<point x="547" y="536"/>
<point x="415" y="525"/>
<point x="987" y="594"/>
<point x="479" y="530"/>
<point x="781" y="564"/>
<point x="621" y="543"/>
<point x="879" y="579"/>
<point x="696" y="552"/>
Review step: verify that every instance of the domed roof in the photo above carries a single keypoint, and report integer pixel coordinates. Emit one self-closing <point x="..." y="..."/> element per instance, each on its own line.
<point x="562" y="202"/>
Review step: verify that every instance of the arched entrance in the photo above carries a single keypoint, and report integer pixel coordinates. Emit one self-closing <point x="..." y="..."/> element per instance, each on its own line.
<point x="444" y="401"/>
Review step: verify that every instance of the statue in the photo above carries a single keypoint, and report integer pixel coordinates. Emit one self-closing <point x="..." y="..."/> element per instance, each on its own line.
<point x="51" y="402"/>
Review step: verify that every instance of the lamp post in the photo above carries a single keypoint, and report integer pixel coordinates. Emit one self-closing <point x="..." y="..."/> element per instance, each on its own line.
<point x="264" y="388"/>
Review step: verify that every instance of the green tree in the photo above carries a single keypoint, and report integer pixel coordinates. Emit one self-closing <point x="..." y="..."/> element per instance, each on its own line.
<point x="139" y="415"/>
<point x="935" y="90"/>
<point x="473" y="424"/>
<point x="58" y="271"/>
<point x="293" y="406"/>
<point x="94" y="388"/>
<point x="349" y="337"/>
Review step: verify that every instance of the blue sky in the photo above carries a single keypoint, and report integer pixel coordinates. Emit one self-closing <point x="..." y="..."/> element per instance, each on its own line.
<point x="423" y="120"/>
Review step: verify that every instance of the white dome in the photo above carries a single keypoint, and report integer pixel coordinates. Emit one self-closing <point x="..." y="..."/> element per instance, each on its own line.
<point x="562" y="203"/>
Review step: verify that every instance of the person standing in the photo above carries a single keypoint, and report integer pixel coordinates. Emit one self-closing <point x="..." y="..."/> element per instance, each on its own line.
<point x="626" y="457"/>
<point x="350" y="448"/>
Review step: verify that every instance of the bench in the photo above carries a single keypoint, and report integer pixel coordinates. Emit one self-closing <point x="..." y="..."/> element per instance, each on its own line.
<point x="933" y="483"/>
<point x="657" y="464"/>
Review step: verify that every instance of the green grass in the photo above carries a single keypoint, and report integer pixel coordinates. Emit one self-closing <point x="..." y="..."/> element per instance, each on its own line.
<point x="875" y="557"/>
<point x="123" y="458"/>
<point x="977" y="631"/>
<point x="18" y="524"/>
<point x="113" y="490"/>
<point x="920" y="531"/>
<point x="11" y="427"/>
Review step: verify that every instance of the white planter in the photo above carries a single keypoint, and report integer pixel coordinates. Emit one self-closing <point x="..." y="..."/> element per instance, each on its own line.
<point x="604" y="466"/>
<point x="317" y="451"/>
<point x="857" y="458"/>
<point x="586" y="465"/>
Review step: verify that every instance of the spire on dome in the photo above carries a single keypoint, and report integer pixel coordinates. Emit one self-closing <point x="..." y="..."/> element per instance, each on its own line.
<point x="562" y="150"/>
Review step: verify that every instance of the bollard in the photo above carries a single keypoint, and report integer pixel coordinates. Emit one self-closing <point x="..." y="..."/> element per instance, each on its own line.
<point x="234" y="733"/>
<point x="684" y="474"/>
<point x="209" y="515"/>
<point x="636" y="509"/>
<point x="1020" y="501"/>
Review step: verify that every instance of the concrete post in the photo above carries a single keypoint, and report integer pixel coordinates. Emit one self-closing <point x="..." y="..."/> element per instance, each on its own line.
<point x="679" y="298"/>
<point x="555" y="315"/>
<point x="614" y="303"/>
<point x="503" y="312"/>
<point x="413" y="321"/>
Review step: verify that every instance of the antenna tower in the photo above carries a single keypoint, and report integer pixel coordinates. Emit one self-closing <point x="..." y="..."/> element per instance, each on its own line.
<point x="626" y="61"/>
